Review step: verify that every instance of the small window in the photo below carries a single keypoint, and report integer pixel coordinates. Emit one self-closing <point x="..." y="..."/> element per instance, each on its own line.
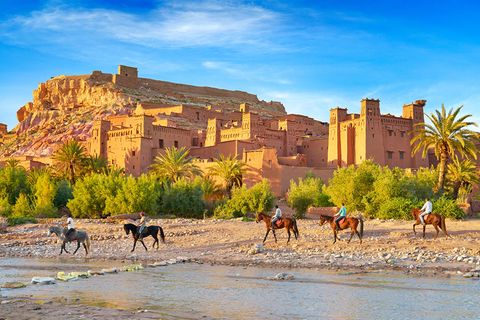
<point x="198" y="115"/>
<point x="401" y="154"/>
<point x="402" y="134"/>
<point x="390" y="154"/>
<point x="133" y="153"/>
<point x="175" y="144"/>
<point x="160" y="143"/>
<point x="390" y="133"/>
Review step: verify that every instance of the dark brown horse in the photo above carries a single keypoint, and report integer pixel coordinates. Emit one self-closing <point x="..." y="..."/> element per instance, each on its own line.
<point x="348" y="222"/>
<point x="434" y="219"/>
<point x="287" y="223"/>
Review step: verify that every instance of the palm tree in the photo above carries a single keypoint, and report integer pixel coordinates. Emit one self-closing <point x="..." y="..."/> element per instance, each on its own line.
<point x="462" y="174"/>
<point x="70" y="158"/>
<point x="230" y="170"/>
<point x="446" y="134"/>
<point x="95" y="164"/>
<point x="12" y="163"/>
<point x="175" y="164"/>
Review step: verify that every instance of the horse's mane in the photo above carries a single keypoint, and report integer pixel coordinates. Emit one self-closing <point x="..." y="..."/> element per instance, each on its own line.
<point x="264" y="214"/>
<point x="326" y="217"/>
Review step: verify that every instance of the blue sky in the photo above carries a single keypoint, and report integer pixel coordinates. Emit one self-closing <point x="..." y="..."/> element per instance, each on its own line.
<point x="311" y="55"/>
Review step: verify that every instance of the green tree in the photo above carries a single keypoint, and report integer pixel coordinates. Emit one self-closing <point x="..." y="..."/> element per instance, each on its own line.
<point x="461" y="174"/>
<point x="260" y="197"/>
<point x="95" y="164"/>
<point x="45" y="191"/>
<point x="306" y="193"/>
<point x="446" y="134"/>
<point x="175" y="164"/>
<point x="5" y="207"/>
<point x="13" y="181"/>
<point x="64" y="193"/>
<point x="70" y="159"/>
<point x="22" y="208"/>
<point x="230" y="170"/>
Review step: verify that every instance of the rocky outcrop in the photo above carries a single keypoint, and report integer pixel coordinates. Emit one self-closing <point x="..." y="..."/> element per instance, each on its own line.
<point x="64" y="107"/>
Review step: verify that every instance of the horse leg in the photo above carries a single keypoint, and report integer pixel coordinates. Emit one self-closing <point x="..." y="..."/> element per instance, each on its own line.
<point x="274" y="235"/>
<point x="266" y="234"/>
<point x="436" y="229"/>
<point x="424" y="226"/>
<point x="85" y="247"/>
<point x="141" y="241"/>
<point x="156" y="241"/>
<point x="414" y="232"/>
<point x="134" y="244"/>
<point x="334" y="236"/>
<point x="78" y="246"/>
<point x="351" y="235"/>
<point x="288" y="231"/>
<point x="358" y="234"/>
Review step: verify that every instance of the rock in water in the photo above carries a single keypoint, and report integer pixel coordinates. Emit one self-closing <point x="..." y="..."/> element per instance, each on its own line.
<point x="13" y="285"/>
<point x="283" y="276"/>
<point x="43" y="280"/>
<point x="257" y="248"/>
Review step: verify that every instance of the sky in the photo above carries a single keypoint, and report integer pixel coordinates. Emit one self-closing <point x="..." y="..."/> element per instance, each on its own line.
<point x="310" y="55"/>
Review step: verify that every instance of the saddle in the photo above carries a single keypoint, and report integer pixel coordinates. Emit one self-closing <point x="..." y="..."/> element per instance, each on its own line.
<point x="278" y="223"/>
<point x="342" y="220"/>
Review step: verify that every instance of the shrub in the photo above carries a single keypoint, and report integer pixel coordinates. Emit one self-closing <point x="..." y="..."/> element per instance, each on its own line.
<point x="395" y="208"/>
<point x="13" y="181"/>
<point x="259" y="198"/>
<point x="64" y="194"/>
<point x="183" y="199"/>
<point x="45" y="191"/>
<point x="5" y="207"/>
<point x="22" y="207"/>
<point x="308" y="192"/>
<point x="13" y="221"/>
<point x="447" y="208"/>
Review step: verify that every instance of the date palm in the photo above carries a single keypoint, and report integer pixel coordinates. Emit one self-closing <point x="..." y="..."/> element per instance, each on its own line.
<point x="230" y="170"/>
<point x="70" y="159"/>
<point x="447" y="134"/>
<point x="462" y="173"/>
<point x="175" y="164"/>
<point x="95" y="164"/>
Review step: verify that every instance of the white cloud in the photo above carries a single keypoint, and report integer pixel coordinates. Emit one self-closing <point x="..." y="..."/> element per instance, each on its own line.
<point x="199" y="23"/>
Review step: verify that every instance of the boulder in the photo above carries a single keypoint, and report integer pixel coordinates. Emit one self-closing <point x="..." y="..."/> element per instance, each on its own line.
<point x="13" y="285"/>
<point x="283" y="276"/>
<point x="43" y="280"/>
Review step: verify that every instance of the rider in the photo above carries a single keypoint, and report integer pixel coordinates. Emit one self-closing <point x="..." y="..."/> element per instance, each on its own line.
<point x="141" y="225"/>
<point x="278" y="215"/>
<point x="70" y="225"/>
<point x="426" y="209"/>
<point x="342" y="213"/>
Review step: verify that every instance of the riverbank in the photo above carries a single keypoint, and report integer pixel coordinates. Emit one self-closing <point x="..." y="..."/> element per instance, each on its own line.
<point x="388" y="245"/>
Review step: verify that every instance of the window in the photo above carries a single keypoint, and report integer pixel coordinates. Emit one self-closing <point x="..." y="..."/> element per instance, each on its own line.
<point x="175" y="144"/>
<point x="402" y="134"/>
<point x="390" y="154"/>
<point x="133" y="153"/>
<point x="198" y="115"/>
<point x="390" y="132"/>
<point x="160" y="143"/>
<point x="401" y="154"/>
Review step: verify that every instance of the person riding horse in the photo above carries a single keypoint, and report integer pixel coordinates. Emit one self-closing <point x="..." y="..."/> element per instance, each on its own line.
<point x="426" y="209"/>
<point x="342" y="213"/>
<point x="141" y="225"/>
<point x="276" y="217"/>
<point x="70" y="226"/>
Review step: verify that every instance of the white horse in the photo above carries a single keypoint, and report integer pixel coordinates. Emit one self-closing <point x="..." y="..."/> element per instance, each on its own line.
<point x="78" y="235"/>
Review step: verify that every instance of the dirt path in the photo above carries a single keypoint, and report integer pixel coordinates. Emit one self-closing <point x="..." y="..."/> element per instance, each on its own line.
<point x="387" y="245"/>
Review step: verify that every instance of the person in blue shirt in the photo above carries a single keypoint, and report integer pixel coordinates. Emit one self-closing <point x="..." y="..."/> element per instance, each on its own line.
<point x="342" y="213"/>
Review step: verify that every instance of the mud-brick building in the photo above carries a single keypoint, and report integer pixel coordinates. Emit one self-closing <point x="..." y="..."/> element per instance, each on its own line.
<point x="385" y="139"/>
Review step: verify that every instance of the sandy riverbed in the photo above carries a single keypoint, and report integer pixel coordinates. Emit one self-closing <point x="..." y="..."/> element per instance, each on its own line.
<point x="386" y="245"/>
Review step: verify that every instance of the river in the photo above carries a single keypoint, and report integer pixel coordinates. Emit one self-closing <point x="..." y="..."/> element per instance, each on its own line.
<point x="225" y="292"/>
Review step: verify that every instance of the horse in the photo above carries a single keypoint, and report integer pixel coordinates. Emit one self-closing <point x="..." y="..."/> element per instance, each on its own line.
<point x="78" y="235"/>
<point x="287" y="223"/>
<point x="432" y="218"/>
<point x="347" y="222"/>
<point x="148" y="231"/>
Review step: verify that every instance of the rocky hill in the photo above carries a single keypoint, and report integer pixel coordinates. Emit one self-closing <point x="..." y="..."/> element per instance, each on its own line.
<point x="64" y="107"/>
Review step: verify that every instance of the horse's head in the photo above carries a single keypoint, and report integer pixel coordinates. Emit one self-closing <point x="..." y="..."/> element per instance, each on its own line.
<point x="52" y="230"/>
<point x="259" y="217"/>
<point x="127" y="230"/>
<point x="415" y="213"/>
<point x="322" y="220"/>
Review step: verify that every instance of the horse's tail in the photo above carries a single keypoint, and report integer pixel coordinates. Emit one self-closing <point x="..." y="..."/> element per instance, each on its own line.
<point x="87" y="242"/>
<point x="295" y="228"/>
<point x="162" y="235"/>
<point x="443" y="225"/>
<point x="360" y="220"/>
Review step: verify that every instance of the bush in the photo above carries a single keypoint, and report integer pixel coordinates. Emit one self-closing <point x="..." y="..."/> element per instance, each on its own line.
<point x="64" y="194"/>
<point x="183" y="199"/>
<point x="45" y="191"/>
<point x="90" y="195"/>
<point x="307" y="193"/>
<point x="258" y="198"/>
<point x="447" y="208"/>
<point x="396" y="208"/>
<point x="5" y="207"/>
<point x="135" y="195"/>
<point x="13" y="221"/>
<point x="13" y="181"/>
<point x="22" y="208"/>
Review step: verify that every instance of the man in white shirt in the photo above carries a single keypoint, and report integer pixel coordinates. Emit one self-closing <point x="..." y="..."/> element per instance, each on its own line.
<point x="70" y="225"/>
<point x="278" y="215"/>
<point x="426" y="209"/>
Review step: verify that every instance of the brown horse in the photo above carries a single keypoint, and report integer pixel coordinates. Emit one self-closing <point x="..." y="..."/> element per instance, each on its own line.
<point x="348" y="222"/>
<point x="432" y="218"/>
<point x="287" y="223"/>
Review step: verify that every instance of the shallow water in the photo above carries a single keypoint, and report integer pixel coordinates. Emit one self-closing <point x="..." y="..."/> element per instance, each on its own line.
<point x="195" y="291"/>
